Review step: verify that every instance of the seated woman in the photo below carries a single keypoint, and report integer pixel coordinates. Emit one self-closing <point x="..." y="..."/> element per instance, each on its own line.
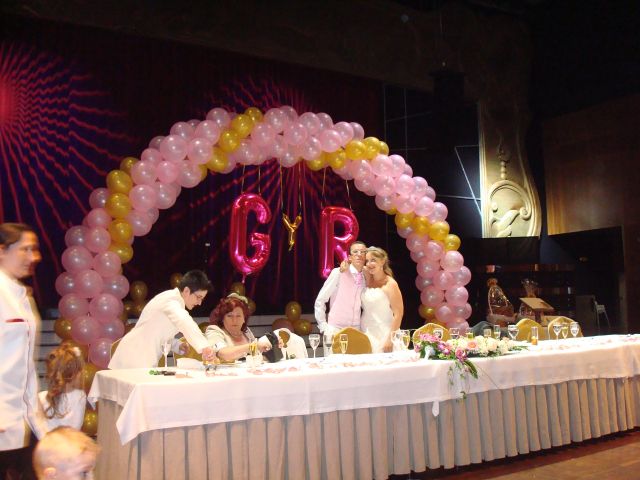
<point x="229" y="333"/>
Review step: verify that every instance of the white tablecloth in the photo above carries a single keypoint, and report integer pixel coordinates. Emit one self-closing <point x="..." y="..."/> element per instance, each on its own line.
<point x="378" y="414"/>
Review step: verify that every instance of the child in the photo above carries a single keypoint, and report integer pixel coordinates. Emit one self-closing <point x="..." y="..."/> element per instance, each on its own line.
<point x="65" y="454"/>
<point x="65" y="401"/>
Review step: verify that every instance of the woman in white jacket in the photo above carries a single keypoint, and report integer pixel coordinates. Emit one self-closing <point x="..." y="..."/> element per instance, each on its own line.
<point x="19" y="418"/>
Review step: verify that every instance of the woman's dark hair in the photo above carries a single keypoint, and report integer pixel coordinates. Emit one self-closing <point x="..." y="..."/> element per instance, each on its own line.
<point x="194" y="280"/>
<point x="11" y="233"/>
<point x="226" y="305"/>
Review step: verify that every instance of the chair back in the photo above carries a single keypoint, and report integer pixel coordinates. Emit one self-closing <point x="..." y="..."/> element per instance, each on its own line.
<point x="358" y="341"/>
<point x="524" y="330"/>
<point x="564" y="321"/>
<point x="429" y="328"/>
<point x="296" y="347"/>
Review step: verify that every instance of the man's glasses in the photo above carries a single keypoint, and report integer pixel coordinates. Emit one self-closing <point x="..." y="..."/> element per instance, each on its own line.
<point x="358" y="252"/>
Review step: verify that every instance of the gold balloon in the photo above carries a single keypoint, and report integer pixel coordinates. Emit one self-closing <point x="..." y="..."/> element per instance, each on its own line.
<point x="120" y="231"/>
<point x="439" y="230"/>
<point x="138" y="291"/>
<point x="404" y="220"/>
<point x="356" y="150"/>
<point x="88" y="372"/>
<point x="119" y="181"/>
<point x="293" y="310"/>
<point x="316" y="164"/>
<point x="372" y="145"/>
<point x="62" y="327"/>
<point x="123" y="250"/>
<point x="451" y="242"/>
<point x="203" y="172"/>
<point x="420" y="225"/>
<point x="391" y="211"/>
<point x="229" y="141"/>
<point x="242" y="124"/>
<point x="302" y="326"/>
<point x="384" y="148"/>
<point x="174" y="279"/>
<point x="127" y="163"/>
<point x="337" y="159"/>
<point x="90" y="423"/>
<point x="124" y="316"/>
<point x="291" y="228"/>
<point x="428" y="313"/>
<point x="218" y="161"/>
<point x="128" y="307"/>
<point x="118" y="205"/>
<point x="254" y="113"/>
<point x="137" y="308"/>
<point x="252" y="307"/>
<point x="237" y="287"/>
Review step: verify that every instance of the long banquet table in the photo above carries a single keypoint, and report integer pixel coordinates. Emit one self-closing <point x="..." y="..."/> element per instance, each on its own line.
<point x="365" y="416"/>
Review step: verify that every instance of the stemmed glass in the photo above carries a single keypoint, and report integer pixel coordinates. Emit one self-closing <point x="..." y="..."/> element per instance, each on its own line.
<point x="438" y="333"/>
<point x="314" y="341"/>
<point x="512" y="330"/>
<point x="454" y="332"/>
<point x="556" y="330"/>
<point x="469" y="333"/>
<point x="327" y="341"/>
<point x="496" y="332"/>
<point x="486" y="332"/>
<point x="166" y="348"/>
<point x="397" y="340"/>
<point x="406" y="338"/>
<point x="565" y="330"/>
<point x="575" y="329"/>
<point x="344" y="341"/>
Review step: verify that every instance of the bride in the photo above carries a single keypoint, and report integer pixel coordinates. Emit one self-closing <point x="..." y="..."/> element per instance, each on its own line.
<point x="381" y="301"/>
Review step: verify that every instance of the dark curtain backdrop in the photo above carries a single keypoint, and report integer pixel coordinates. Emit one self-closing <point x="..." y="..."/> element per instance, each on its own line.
<point x="75" y="101"/>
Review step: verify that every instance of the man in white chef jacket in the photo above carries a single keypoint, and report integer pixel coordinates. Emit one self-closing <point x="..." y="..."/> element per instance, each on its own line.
<point x="161" y="319"/>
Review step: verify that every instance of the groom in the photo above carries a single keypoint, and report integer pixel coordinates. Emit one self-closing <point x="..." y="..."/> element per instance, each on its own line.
<point x="342" y="290"/>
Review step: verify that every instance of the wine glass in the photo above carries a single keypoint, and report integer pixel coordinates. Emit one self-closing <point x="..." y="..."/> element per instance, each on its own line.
<point x="327" y="342"/>
<point x="406" y="338"/>
<point x="574" y="327"/>
<point x="565" y="330"/>
<point x="496" y="332"/>
<point x="512" y="330"/>
<point x="454" y="333"/>
<point x="344" y="341"/>
<point x="486" y="332"/>
<point x="438" y="333"/>
<point x="314" y="341"/>
<point x="166" y="348"/>
<point x="556" y="330"/>
<point x="469" y="333"/>
<point x="396" y="339"/>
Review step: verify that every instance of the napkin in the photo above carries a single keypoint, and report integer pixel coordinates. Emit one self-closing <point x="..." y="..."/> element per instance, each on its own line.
<point x="190" y="364"/>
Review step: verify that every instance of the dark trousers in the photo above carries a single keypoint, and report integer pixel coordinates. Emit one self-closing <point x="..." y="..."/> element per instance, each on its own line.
<point x="17" y="464"/>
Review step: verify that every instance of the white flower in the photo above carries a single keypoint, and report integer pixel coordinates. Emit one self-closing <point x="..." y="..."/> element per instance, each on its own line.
<point x="492" y="344"/>
<point x="503" y="348"/>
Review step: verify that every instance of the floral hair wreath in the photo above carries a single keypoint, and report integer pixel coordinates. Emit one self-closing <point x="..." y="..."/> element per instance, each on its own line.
<point x="239" y="297"/>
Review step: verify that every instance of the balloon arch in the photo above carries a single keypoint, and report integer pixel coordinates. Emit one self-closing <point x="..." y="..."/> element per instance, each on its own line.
<point x="92" y="286"/>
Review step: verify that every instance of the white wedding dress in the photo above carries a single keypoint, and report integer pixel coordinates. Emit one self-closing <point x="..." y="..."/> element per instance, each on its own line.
<point x="377" y="317"/>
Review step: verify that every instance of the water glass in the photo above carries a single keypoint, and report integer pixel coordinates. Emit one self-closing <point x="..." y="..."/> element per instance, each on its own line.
<point x="486" y="332"/>
<point x="438" y="333"/>
<point x="314" y="342"/>
<point x="469" y="333"/>
<point x="166" y="348"/>
<point x="512" y="330"/>
<point x="565" y="330"/>
<point x="497" y="332"/>
<point x="454" y="333"/>
<point x="574" y="327"/>
<point x="534" y="335"/>
<point x="327" y="343"/>
<point x="556" y="330"/>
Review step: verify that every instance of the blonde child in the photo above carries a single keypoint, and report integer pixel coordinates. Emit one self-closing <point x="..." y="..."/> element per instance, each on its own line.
<point x="65" y="454"/>
<point x="65" y="401"/>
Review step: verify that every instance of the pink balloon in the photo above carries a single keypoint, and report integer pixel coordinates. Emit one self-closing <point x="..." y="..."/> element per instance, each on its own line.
<point x="346" y="132"/>
<point x="107" y="264"/>
<point x="295" y="133"/>
<point x="143" y="197"/>
<point x="439" y="212"/>
<point x="143" y="173"/>
<point x="88" y="283"/>
<point x="434" y="250"/>
<point x="461" y="277"/>
<point x="200" y="150"/>
<point x="343" y="172"/>
<point x="457" y="322"/>
<point x="113" y="329"/>
<point x="384" y="203"/>
<point x="65" y="283"/>
<point x="173" y="148"/>
<point x="189" y="176"/>
<point x="338" y="229"/>
<point x="73" y="305"/>
<point x="420" y="186"/>
<point x="442" y="280"/>
<point x="118" y="286"/>
<point x="151" y="156"/>
<point x="98" y="240"/>
<point x="84" y="329"/>
<point x="360" y="169"/>
<point x="104" y="307"/>
<point x="431" y="193"/>
<point x="98" y="217"/>
<point x="444" y="313"/>
<point x="408" y="170"/>
<point x="365" y="184"/>
<point x="358" y="131"/>
<point x="263" y="134"/>
<point x="397" y="165"/>
<point x="424" y="206"/>
<point x="289" y="159"/>
<point x="167" y="171"/>
<point x="98" y="197"/>
<point x="165" y="198"/>
<point x="427" y="268"/>
<point x="381" y="165"/>
<point x="209" y="130"/>
<point x="325" y="120"/>
<point x="431" y="296"/>
<point x="311" y="122"/>
<point x="417" y="255"/>
<point x="76" y="258"/>
<point x="330" y="140"/>
<point x="194" y="122"/>
<point x="415" y="242"/>
<point x="384" y="186"/>
<point x="404" y="185"/>
<point x="182" y="129"/>
<point x="247" y="153"/>
<point x="100" y="350"/>
<point x="462" y="311"/>
<point x="140" y="222"/>
<point x="240" y="237"/>
<point x="457" y="296"/>
<point x="311" y="149"/>
<point x="277" y="118"/>
<point x="220" y="117"/>
<point x="156" y="141"/>
<point x="452" y="261"/>
<point x="277" y="148"/>
<point x="76" y="235"/>
<point x="405" y="232"/>
<point x="422" y="283"/>
<point x="404" y="204"/>
<point x="290" y="111"/>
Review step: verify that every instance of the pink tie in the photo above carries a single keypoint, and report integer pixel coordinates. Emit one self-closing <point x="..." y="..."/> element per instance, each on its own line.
<point x="358" y="279"/>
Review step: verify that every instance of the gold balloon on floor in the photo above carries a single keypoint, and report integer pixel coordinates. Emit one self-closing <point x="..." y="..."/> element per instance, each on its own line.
<point x="88" y="372"/>
<point x="90" y="423"/>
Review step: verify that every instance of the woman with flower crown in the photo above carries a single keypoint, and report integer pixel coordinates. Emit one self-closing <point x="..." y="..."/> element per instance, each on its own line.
<point x="381" y="301"/>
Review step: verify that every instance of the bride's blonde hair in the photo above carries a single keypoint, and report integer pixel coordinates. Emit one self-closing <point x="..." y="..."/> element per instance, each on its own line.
<point x="380" y="254"/>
